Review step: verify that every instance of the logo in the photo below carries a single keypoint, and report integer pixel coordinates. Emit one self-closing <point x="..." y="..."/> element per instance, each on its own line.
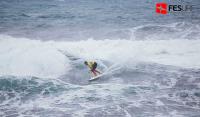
<point x="161" y="8"/>
<point x="164" y="8"/>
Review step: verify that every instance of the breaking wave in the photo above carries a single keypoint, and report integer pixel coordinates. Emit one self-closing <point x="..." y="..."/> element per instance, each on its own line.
<point x="147" y="76"/>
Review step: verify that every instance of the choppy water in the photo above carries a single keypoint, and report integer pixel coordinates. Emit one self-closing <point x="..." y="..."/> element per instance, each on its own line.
<point x="83" y="19"/>
<point x="153" y="59"/>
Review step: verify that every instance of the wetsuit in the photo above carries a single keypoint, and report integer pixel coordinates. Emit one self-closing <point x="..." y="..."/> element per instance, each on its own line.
<point x="92" y="65"/>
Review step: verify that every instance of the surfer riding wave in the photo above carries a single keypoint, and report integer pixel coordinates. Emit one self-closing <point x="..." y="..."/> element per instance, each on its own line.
<point x="92" y="65"/>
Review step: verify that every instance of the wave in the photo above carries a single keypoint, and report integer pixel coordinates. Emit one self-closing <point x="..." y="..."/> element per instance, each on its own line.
<point x="165" y="87"/>
<point x="23" y="88"/>
<point x="179" y="30"/>
<point x="25" y="57"/>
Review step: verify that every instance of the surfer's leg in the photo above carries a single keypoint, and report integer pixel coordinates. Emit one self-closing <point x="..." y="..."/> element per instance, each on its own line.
<point x="94" y="73"/>
<point x="94" y="67"/>
<point x="97" y="71"/>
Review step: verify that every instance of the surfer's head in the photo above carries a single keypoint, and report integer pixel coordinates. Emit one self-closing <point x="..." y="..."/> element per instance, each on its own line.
<point x="86" y="63"/>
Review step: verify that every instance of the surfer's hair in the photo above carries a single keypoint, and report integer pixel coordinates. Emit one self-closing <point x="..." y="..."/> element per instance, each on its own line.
<point x="86" y="63"/>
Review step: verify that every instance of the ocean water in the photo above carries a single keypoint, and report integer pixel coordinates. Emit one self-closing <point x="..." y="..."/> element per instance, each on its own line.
<point x="152" y="60"/>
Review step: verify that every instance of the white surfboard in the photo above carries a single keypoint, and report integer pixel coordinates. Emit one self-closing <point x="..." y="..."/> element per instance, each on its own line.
<point x="107" y="71"/>
<point x="96" y="77"/>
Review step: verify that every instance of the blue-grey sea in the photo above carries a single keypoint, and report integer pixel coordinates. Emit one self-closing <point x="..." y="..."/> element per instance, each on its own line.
<point x="150" y="61"/>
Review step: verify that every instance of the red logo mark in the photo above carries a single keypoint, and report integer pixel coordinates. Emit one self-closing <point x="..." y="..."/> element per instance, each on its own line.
<point x="161" y="8"/>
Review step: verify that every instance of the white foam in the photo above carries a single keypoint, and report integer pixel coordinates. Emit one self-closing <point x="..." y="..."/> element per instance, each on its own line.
<point x="24" y="57"/>
<point x="182" y="53"/>
<point x="42" y="59"/>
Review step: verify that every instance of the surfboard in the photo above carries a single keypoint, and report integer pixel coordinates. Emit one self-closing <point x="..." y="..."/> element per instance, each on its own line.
<point x="96" y="77"/>
<point x="107" y="71"/>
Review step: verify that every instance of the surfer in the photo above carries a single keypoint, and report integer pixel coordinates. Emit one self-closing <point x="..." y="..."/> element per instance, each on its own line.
<point x="92" y="66"/>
